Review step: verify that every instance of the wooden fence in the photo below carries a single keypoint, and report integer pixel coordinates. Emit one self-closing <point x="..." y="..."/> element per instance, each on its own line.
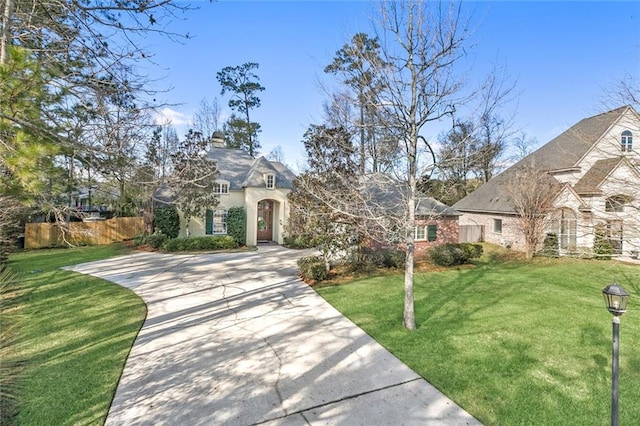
<point x="471" y="233"/>
<point x="39" y="235"/>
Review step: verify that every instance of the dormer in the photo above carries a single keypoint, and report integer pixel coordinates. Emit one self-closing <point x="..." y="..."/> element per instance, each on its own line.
<point x="270" y="180"/>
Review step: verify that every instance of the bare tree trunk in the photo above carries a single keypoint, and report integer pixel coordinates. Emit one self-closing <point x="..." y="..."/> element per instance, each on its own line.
<point x="5" y="41"/>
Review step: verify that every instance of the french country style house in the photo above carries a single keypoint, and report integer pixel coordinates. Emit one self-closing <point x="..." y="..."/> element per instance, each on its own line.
<point x="257" y="184"/>
<point x="596" y="167"/>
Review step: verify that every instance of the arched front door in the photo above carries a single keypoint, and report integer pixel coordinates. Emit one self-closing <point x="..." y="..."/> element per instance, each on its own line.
<point x="265" y="220"/>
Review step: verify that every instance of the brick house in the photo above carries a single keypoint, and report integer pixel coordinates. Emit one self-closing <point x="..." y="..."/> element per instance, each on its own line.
<point x="594" y="167"/>
<point x="435" y="222"/>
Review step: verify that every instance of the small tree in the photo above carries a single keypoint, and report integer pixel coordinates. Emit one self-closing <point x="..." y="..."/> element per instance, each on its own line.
<point x="192" y="183"/>
<point x="602" y="248"/>
<point x="531" y="192"/>
<point x="237" y="224"/>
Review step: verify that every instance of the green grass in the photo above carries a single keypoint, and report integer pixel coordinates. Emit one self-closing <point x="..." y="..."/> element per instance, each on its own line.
<point x="513" y="343"/>
<point x="74" y="333"/>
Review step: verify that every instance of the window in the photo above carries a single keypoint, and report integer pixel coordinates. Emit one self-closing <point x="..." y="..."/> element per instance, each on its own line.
<point x="221" y="188"/>
<point x="426" y="233"/>
<point x="627" y="141"/>
<point x="497" y="226"/>
<point x="432" y="232"/>
<point x="216" y="222"/>
<point x="567" y="229"/>
<point x="615" y="203"/>
<point x="270" y="181"/>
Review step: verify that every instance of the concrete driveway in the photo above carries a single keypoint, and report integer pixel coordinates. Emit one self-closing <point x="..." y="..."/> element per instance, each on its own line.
<point x="238" y="339"/>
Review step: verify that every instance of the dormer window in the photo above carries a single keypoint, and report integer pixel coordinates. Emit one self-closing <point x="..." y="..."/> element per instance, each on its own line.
<point x="221" y="188"/>
<point x="627" y="141"/>
<point x="270" y="181"/>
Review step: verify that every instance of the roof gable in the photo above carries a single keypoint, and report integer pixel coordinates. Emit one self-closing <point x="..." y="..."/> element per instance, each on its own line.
<point x="242" y="171"/>
<point x="561" y="153"/>
<point x="595" y="176"/>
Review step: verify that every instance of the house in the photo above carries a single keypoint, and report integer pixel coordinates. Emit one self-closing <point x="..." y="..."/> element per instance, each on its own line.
<point x="596" y="168"/>
<point x="435" y="222"/>
<point x="257" y="184"/>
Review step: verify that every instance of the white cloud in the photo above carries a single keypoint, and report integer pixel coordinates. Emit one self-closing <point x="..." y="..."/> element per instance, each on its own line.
<point x="169" y="116"/>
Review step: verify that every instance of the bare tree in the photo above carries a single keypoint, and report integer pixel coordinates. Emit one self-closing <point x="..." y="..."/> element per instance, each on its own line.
<point x="532" y="192"/>
<point x="207" y="119"/>
<point x="421" y="44"/>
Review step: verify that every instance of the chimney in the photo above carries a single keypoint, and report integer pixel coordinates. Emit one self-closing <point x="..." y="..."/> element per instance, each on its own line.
<point x="217" y="140"/>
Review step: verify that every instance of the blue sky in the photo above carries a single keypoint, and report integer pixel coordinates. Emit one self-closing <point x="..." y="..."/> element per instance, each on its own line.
<point x="563" y="56"/>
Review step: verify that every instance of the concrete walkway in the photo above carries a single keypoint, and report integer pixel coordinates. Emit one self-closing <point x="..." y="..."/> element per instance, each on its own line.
<point x="238" y="339"/>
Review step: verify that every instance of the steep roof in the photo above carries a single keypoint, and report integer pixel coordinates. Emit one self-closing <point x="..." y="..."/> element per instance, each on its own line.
<point x="243" y="171"/>
<point x="591" y="181"/>
<point x="562" y="152"/>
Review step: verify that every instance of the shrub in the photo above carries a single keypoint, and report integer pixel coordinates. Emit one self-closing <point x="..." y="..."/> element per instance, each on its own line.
<point x="366" y="259"/>
<point x="550" y="245"/>
<point x="302" y="241"/>
<point x="454" y="254"/>
<point x="237" y="225"/>
<point x="219" y="242"/>
<point x="156" y="240"/>
<point x="312" y="268"/>
<point x="140" y="239"/>
<point x="602" y="248"/>
<point x="166" y="221"/>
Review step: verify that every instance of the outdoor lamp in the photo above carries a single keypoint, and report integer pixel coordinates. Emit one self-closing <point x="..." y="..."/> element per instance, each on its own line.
<point x="616" y="299"/>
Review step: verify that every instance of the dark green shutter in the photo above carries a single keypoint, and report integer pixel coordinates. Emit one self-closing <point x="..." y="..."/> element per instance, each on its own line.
<point x="432" y="232"/>
<point x="209" y="223"/>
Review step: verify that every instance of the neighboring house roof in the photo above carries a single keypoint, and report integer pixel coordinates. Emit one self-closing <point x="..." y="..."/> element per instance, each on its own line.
<point x="562" y="153"/>
<point x="243" y="171"/>
<point x="389" y="193"/>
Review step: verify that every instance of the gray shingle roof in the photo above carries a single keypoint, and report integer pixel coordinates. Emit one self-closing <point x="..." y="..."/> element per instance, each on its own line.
<point x="563" y="152"/>
<point x="241" y="170"/>
<point x="388" y="192"/>
<point x="591" y="181"/>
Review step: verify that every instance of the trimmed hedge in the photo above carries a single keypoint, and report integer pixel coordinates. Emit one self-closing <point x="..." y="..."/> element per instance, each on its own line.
<point x="219" y="242"/>
<point x="455" y="254"/>
<point x="237" y="224"/>
<point x="312" y="268"/>
<point x="367" y="259"/>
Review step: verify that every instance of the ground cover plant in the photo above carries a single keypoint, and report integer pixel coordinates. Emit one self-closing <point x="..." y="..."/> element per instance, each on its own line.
<point x="512" y="342"/>
<point x="73" y="333"/>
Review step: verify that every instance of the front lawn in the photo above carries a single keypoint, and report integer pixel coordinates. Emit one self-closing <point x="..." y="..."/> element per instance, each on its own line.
<point x="511" y="342"/>
<point x="73" y="334"/>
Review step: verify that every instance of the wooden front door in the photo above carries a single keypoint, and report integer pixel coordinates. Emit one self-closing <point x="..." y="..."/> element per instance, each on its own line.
<point x="265" y="220"/>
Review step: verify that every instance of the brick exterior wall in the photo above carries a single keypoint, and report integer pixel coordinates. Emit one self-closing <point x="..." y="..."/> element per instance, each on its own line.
<point x="447" y="232"/>
<point x="509" y="235"/>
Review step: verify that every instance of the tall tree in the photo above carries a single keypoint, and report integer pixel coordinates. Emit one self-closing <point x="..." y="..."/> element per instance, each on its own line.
<point x="423" y="43"/>
<point x="358" y="63"/>
<point x="244" y="85"/>
<point x="238" y="133"/>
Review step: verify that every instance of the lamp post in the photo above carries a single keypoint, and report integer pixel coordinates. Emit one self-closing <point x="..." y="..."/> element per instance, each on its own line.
<point x="616" y="299"/>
